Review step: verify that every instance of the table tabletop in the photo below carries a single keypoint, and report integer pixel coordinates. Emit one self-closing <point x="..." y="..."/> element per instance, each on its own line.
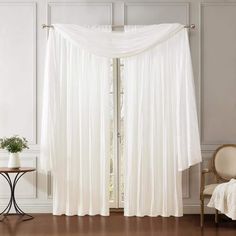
<point x="16" y="170"/>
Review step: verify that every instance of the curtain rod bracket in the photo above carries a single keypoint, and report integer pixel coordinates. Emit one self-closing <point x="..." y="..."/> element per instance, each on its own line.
<point x="192" y="26"/>
<point x="46" y="26"/>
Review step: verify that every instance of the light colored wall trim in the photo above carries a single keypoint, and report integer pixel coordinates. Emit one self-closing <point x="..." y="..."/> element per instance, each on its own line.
<point x="46" y="207"/>
<point x="53" y="4"/>
<point x="171" y="4"/>
<point x="30" y="157"/>
<point x="206" y="146"/>
<point x="49" y="185"/>
<point x="34" y="56"/>
<point x="33" y="149"/>
<point x="34" y="5"/>
<point x="195" y="209"/>
<point x="186" y="189"/>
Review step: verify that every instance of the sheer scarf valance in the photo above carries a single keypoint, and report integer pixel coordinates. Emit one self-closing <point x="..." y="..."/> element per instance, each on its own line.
<point x="117" y="44"/>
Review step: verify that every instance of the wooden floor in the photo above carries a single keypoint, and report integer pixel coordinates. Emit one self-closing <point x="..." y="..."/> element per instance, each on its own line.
<point x="116" y="224"/>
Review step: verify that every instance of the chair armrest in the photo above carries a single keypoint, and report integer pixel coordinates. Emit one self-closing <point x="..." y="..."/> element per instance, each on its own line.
<point x="204" y="172"/>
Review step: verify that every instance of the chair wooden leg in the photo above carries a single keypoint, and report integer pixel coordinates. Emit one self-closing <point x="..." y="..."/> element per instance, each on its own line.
<point x="216" y="216"/>
<point x="202" y="212"/>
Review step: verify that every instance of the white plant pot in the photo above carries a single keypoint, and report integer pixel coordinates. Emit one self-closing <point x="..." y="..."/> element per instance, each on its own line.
<point x="14" y="160"/>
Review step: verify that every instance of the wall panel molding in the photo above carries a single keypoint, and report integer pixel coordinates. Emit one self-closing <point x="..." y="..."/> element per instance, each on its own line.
<point x="169" y="5"/>
<point x="32" y="5"/>
<point x="86" y="5"/>
<point x="185" y="183"/>
<point x="210" y="145"/>
<point x="49" y="185"/>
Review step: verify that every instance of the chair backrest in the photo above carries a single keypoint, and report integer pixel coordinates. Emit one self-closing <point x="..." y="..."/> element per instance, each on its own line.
<point x="224" y="162"/>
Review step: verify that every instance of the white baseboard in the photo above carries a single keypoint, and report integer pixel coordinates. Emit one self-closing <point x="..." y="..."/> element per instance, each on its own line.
<point x="47" y="208"/>
<point x="32" y="208"/>
<point x="195" y="209"/>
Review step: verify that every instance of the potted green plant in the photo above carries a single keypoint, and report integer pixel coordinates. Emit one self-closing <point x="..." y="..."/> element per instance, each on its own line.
<point x="14" y="145"/>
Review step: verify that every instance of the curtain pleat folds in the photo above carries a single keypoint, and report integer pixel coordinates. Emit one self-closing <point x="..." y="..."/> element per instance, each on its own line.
<point x="161" y="128"/>
<point x="161" y="137"/>
<point x="75" y="128"/>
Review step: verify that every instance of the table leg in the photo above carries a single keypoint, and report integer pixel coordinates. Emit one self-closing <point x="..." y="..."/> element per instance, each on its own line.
<point x="7" y="209"/>
<point x="12" y="200"/>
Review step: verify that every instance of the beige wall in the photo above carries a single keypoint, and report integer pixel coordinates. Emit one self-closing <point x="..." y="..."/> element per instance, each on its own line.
<point x="22" y="47"/>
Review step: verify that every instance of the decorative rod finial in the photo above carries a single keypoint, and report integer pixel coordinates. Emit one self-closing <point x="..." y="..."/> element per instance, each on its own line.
<point x="192" y="26"/>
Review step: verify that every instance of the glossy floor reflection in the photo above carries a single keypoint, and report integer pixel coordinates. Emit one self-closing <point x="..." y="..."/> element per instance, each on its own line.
<point x="116" y="224"/>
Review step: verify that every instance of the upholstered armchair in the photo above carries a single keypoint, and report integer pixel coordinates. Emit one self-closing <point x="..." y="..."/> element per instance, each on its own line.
<point x="223" y="167"/>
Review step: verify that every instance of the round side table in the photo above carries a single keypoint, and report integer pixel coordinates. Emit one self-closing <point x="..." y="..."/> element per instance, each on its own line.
<point x="4" y="171"/>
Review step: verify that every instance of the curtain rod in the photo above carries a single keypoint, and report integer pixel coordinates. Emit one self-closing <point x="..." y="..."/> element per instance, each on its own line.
<point x="192" y="26"/>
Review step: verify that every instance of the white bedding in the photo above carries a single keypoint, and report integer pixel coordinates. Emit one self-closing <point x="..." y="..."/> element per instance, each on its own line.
<point x="224" y="198"/>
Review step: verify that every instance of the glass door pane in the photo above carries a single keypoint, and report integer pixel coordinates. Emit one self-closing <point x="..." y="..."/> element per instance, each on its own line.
<point x="121" y="135"/>
<point x="116" y="187"/>
<point x="114" y="178"/>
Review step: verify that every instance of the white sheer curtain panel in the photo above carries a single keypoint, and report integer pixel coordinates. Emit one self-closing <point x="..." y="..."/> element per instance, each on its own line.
<point x="75" y="127"/>
<point x="160" y="127"/>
